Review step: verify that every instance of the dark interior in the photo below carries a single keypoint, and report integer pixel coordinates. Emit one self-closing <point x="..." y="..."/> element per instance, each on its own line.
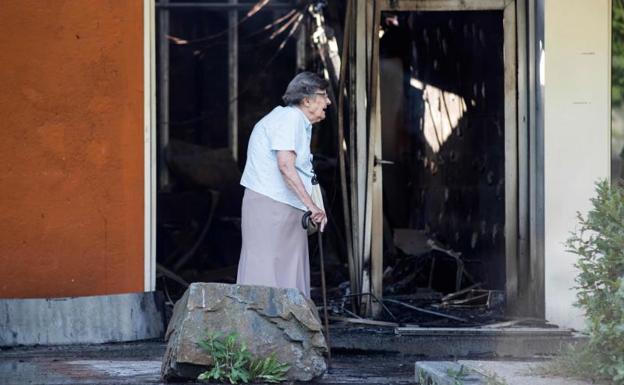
<point x="442" y="92"/>
<point x="442" y="99"/>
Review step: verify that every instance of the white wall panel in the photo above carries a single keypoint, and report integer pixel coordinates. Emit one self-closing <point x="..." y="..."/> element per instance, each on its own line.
<point x="576" y="135"/>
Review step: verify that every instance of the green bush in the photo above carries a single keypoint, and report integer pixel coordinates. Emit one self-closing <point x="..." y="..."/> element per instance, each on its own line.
<point x="599" y="243"/>
<point x="231" y="361"/>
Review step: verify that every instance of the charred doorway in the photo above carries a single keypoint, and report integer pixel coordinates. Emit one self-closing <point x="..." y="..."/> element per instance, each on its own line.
<point x="443" y="120"/>
<point x="220" y="68"/>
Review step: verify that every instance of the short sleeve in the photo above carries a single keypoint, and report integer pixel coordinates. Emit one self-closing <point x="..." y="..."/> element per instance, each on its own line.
<point x="282" y="132"/>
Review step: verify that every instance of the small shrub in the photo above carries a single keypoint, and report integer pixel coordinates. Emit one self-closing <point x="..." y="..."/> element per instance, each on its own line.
<point x="577" y="362"/>
<point x="599" y="244"/>
<point x="458" y="376"/>
<point x="232" y="362"/>
<point x="268" y="369"/>
<point x="495" y="379"/>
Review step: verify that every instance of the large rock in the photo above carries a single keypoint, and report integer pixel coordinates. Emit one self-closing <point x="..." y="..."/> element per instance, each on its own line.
<point x="267" y="319"/>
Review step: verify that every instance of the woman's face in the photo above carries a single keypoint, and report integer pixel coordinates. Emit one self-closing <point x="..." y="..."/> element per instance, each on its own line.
<point x="315" y="105"/>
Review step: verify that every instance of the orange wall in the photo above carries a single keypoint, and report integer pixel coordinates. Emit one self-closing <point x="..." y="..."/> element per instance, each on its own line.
<point x="71" y="149"/>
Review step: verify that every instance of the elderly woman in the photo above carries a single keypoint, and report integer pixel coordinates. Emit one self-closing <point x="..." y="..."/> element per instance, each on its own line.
<point x="278" y="182"/>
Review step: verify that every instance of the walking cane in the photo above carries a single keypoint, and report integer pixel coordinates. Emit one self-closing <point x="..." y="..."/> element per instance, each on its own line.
<point x="306" y="222"/>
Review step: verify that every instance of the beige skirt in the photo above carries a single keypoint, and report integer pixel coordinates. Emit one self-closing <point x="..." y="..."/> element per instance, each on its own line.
<point x="274" y="248"/>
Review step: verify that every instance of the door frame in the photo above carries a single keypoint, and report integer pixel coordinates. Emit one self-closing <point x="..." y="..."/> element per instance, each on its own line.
<point x="517" y="149"/>
<point x="149" y="145"/>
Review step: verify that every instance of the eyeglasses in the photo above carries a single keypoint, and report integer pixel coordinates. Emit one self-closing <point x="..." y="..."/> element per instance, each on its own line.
<point x="323" y="94"/>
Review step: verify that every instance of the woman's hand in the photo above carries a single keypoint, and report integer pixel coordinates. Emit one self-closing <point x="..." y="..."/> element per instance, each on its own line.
<point x="318" y="216"/>
<point x="286" y="164"/>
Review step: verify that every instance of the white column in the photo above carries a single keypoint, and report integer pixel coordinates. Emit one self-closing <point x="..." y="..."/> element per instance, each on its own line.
<point x="576" y="135"/>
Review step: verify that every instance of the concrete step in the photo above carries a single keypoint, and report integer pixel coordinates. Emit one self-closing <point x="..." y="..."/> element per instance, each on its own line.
<point x="447" y="373"/>
<point x="434" y="343"/>
<point x="493" y="372"/>
<point x="81" y="320"/>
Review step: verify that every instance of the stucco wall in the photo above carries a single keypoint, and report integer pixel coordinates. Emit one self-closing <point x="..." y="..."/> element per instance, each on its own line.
<point x="71" y="151"/>
<point x="577" y="124"/>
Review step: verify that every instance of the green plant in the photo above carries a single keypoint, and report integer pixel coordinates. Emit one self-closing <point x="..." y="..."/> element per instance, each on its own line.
<point x="268" y="369"/>
<point x="494" y="379"/>
<point x="576" y="362"/>
<point x="599" y="244"/>
<point x="490" y="377"/>
<point x="458" y="376"/>
<point x="232" y="361"/>
<point x="617" y="49"/>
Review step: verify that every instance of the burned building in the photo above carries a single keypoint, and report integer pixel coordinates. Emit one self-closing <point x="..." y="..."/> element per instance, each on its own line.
<point x="449" y="163"/>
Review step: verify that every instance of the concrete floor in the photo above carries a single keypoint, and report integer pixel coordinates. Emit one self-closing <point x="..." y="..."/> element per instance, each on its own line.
<point x="365" y="357"/>
<point x="139" y="363"/>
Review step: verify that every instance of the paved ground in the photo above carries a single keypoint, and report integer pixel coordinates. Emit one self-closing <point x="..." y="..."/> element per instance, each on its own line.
<point x="139" y="363"/>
